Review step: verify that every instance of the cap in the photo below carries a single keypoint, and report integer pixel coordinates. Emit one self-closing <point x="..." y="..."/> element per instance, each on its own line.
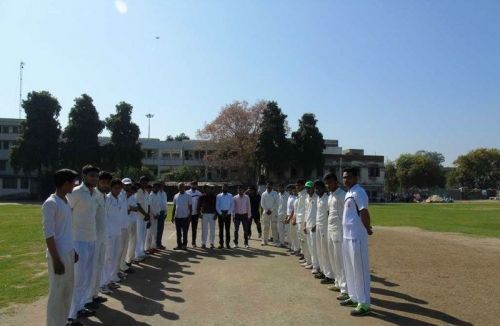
<point x="126" y="181"/>
<point x="309" y="184"/>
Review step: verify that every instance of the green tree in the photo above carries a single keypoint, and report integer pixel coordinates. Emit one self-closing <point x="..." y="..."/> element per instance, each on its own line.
<point x="391" y="183"/>
<point x="182" y="136"/>
<point x="81" y="144"/>
<point x="184" y="173"/>
<point x="273" y="148"/>
<point x="479" y="168"/>
<point x="308" y="145"/>
<point x="124" y="150"/>
<point x="421" y="170"/>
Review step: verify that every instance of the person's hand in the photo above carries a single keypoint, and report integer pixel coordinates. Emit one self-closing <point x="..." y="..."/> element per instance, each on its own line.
<point x="305" y="230"/>
<point x="268" y="212"/>
<point x="369" y="231"/>
<point x="148" y="225"/>
<point x="76" y="257"/>
<point x="313" y="229"/>
<point x="59" y="266"/>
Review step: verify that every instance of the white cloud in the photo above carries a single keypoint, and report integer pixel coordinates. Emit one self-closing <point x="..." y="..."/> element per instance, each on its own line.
<point x="121" y="6"/>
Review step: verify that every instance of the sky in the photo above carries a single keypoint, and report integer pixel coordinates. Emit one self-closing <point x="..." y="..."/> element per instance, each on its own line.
<point x="388" y="76"/>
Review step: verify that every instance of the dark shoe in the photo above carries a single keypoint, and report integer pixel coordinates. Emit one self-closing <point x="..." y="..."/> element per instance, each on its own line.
<point x="99" y="299"/>
<point x="203" y="246"/>
<point x="128" y="264"/>
<point x="85" y="313"/>
<point x="114" y="285"/>
<point x="194" y="245"/>
<point x="184" y="248"/>
<point x="327" y="280"/>
<point x="212" y="246"/>
<point x="228" y="246"/>
<point x="72" y="322"/>
<point x="220" y="247"/>
<point x="130" y="271"/>
<point x="348" y="303"/>
<point x="320" y="276"/>
<point x="260" y="235"/>
<point x="161" y="247"/>
<point x="178" y="248"/>
<point x="91" y="306"/>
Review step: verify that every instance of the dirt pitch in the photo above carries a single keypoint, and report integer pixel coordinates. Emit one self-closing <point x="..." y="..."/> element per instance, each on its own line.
<point x="418" y="278"/>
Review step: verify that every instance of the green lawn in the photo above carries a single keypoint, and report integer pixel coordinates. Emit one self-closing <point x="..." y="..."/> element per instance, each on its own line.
<point x="475" y="218"/>
<point x="23" y="275"/>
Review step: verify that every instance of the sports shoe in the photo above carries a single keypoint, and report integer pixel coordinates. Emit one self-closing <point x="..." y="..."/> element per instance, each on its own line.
<point x="105" y="290"/>
<point x="320" y="276"/>
<point x="220" y="247"/>
<point x="260" y="235"/>
<point x="361" y="310"/>
<point x="334" y="288"/>
<point x="247" y="246"/>
<point x="327" y="280"/>
<point x="99" y="299"/>
<point x="194" y="245"/>
<point x="304" y="264"/>
<point x="348" y="303"/>
<point x="315" y="272"/>
<point x="178" y="248"/>
<point x="343" y="297"/>
<point x="203" y="246"/>
<point x="212" y="246"/>
<point x="85" y="313"/>
<point x="72" y="322"/>
<point x="91" y="305"/>
<point x="308" y="267"/>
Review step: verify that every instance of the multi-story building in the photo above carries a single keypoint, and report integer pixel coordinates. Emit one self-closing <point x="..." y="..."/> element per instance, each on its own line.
<point x="11" y="183"/>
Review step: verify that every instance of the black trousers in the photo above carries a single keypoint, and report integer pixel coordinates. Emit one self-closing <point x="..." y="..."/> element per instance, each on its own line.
<point x="224" y="225"/>
<point x="194" y="227"/>
<point x="257" y="223"/>
<point x="182" y="226"/>
<point x="161" y="226"/>
<point x="243" y="220"/>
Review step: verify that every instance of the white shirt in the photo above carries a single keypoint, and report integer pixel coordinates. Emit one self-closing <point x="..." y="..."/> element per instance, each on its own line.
<point x="311" y="208"/>
<point x="114" y="215"/>
<point x="336" y="210"/>
<point x="182" y="203"/>
<point x="322" y="211"/>
<point x="352" y="225"/>
<point x="84" y="206"/>
<point x="224" y="202"/>
<point x="269" y="201"/>
<point x="124" y="219"/>
<point x="57" y="221"/>
<point x="195" y="196"/>
<point x="132" y="203"/>
<point x="154" y="204"/>
<point x="283" y="203"/>
<point x="163" y="200"/>
<point x="300" y="206"/>
<point x="100" y="216"/>
<point x="291" y="204"/>
<point x="140" y="196"/>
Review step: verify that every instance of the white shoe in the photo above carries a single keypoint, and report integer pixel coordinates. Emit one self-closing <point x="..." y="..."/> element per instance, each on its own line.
<point x="314" y="271"/>
<point x="308" y="267"/>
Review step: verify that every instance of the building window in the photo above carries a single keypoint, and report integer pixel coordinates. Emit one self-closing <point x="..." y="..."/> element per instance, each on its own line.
<point x="25" y="183"/>
<point x="5" y="129"/>
<point x="3" y="165"/>
<point x="9" y="183"/>
<point x="5" y="144"/>
<point x="15" y="129"/>
<point x="374" y="172"/>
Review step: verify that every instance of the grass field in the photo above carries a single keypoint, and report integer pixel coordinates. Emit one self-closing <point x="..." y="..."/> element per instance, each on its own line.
<point x="22" y="247"/>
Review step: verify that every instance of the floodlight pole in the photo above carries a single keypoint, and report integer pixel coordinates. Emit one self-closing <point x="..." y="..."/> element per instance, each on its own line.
<point x="149" y="116"/>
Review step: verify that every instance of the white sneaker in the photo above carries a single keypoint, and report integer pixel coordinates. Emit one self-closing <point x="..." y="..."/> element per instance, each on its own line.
<point x="308" y="267"/>
<point x="314" y="271"/>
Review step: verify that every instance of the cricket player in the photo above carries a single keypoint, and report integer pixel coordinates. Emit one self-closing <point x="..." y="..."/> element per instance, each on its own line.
<point x="282" y="210"/>
<point x="269" y="204"/>
<point x="356" y="228"/>
<point x="299" y="216"/>
<point x="293" y="243"/>
<point x="326" y="274"/>
<point x="311" y="204"/>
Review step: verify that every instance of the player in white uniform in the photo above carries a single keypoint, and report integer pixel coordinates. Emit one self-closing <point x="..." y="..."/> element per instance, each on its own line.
<point x="356" y="228"/>
<point x="326" y="273"/>
<point x="310" y="225"/>
<point x="269" y="204"/>
<point x="299" y="219"/>
<point x="282" y="210"/>
<point x="293" y="243"/>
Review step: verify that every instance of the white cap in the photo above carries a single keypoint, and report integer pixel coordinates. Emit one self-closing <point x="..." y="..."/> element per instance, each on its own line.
<point x="127" y="181"/>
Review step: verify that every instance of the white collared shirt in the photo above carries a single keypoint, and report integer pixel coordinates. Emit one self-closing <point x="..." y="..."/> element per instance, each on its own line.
<point x="114" y="215"/>
<point x="182" y="203"/>
<point x="195" y="196"/>
<point x="154" y="203"/>
<point x="291" y="204"/>
<point x="269" y="201"/>
<point x="322" y="211"/>
<point x="57" y="222"/>
<point x="84" y="206"/>
<point x="300" y="206"/>
<point x="336" y="210"/>
<point x="100" y="216"/>
<point x="355" y="199"/>
<point x="132" y="215"/>
<point x="283" y="203"/>
<point x="310" y="210"/>
<point x="224" y="202"/>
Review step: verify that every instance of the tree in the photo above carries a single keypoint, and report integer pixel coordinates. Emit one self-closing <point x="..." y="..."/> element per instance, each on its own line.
<point x="184" y="173"/>
<point x="308" y="144"/>
<point x="124" y="150"/>
<point x="391" y="183"/>
<point x="479" y="168"/>
<point x="232" y="139"/>
<point x="180" y="137"/>
<point x="273" y="148"/>
<point x="37" y="149"/>
<point x="81" y="144"/>
<point x="421" y="170"/>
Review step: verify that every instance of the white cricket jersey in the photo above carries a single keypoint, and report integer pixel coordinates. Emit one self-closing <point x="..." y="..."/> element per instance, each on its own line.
<point x="84" y="206"/>
<point x="300" y="206"/>
<point x="291" y="204"/>
<point x="57" y="222"/>
<point x="132" y="203"/>
<point x="283" y="203"/>
<point x="100" y="216"/>
<point x="355" y="200"/>
<point x="311" y="209"/>
<point x="322" y="211"/>
<point x="154" y="203"/>
<point x="124" y="220"/>
<point x="336" y="210"/>
<point x="114" y="215"/>
<point x="195" y="197"/>
<point x="269" y="201"/>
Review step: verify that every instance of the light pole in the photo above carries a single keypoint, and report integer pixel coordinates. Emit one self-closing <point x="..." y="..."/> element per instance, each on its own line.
<point x="21" y="67"/>
<point x="149" y="116"/>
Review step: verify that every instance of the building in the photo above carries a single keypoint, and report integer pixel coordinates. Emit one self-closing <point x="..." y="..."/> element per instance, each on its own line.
<point x="11" y="183"/>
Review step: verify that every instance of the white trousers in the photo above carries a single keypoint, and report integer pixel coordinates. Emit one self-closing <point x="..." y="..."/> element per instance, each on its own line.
<point x="274" y="227"/>
<point x="112" y="260"/>
<point x="123" y="249"/>
<point x="335" y="253"/>
<point x="293" y="241"/>
<point x="97" y="274"/>
<point x="357" y="269"/>
<point x="60" y="290"/>
<point x="302" y="237"/>
<point x="132" y="240"/>
<point x="281" y="229"/>
<point x="267" y="220"/>
<point x="208" y="226"/>
<point x="84" y="268"/>
<point x="311" y="242"/>
<point x="322" y="250"/>
<point x="140" y="237"/>
<point x="150" y="242"/>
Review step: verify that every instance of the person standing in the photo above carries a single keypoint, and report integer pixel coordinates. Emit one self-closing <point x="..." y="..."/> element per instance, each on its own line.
<point x="133" y="212"/>
<point x="326" y="274"/>
<point x="195" y="214"/>
<point x="293" y="244"/>
<point x="161" y="217"/>
<point x="224" y="208"/>
<point x="255" y="205"/>
<point x="102" y="189"/>
<point x="181" y="215"/>
<point x="269" y="204"/>
<point x="154" y="211"/>
<point x="125" y="223"/>
<point x="242" y="213"/>
<point x="61" y="256"/>
<point x="114" y="212"/>
<point x="299" y="216"/>
<point x="356" y="228"/>
<point x="310" y="226"/>
<point x="142" y="218"/>
<point x="206" y="206"/>
<point x="282" y="216"/>
<point x="335" y="236"/>
<point x="84" y="206"/>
